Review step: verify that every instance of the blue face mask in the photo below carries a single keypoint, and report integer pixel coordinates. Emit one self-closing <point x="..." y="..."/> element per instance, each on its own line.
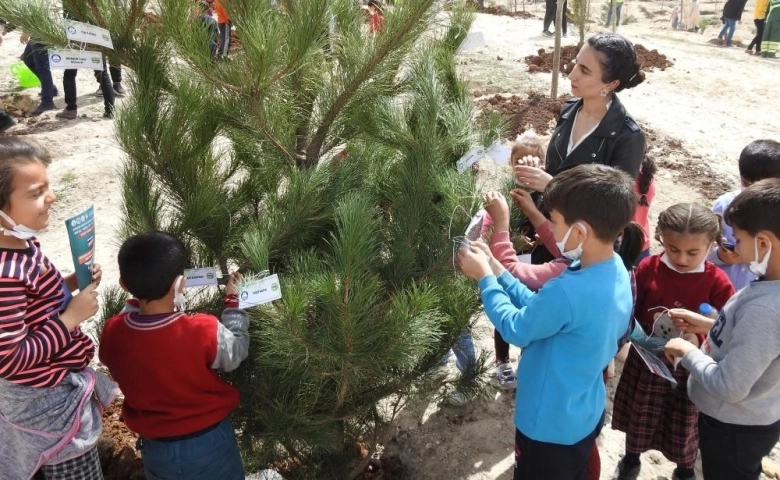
<point x="576" y="252"/>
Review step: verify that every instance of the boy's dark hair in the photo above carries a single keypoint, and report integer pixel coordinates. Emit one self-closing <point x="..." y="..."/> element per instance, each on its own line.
<point x="645" y="178"/>
<point x="602" y="196"/>
<point x="759" y="160"/>
<point x="16" y="152"/>
<point x="756" y="208"/>
<point x="149" y="264"/>
<point x="630" y="244"/>
<point x="690" y="219"/>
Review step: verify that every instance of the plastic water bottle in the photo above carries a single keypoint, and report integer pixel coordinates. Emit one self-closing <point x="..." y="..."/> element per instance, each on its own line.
<point x="708" y="310"/>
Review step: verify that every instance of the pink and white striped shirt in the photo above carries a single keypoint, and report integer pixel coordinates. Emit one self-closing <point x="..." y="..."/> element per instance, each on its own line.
<point x="36" y="348"/>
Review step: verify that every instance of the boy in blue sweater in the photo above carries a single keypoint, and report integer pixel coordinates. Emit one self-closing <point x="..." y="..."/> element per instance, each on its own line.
<point x="570" y="329"/>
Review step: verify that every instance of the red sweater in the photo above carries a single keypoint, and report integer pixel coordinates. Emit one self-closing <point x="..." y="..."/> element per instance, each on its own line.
<point x="163" y="366"/>
<point x="660" y="286"/>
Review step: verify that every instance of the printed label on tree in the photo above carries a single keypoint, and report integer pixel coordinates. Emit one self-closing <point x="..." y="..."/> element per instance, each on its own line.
<point x="499" y="153"/>
<point x="470" y="158"/>
<point x="259" y="291"/>
<point x="201" y="277"/>
<point x="81" y="233"/>
<point x="67" y="58"/>
<point x="86" y="33"/>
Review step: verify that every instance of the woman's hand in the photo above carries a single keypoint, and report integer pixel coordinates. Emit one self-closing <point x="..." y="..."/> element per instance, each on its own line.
<point x="532" y="177"/>
<point x="497" y="208"/>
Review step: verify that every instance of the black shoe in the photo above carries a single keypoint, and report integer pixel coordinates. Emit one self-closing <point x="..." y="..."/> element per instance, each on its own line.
<point x="42" y="108"/>
<point x="6" y="122"/>
<point x="547" y="33"/>
<point x="99" y="92"/>
<point x="625" y="472"/>
<point x="119" y="90"/>
<point x="67" y="114"/>
<point x="108" y="114"/>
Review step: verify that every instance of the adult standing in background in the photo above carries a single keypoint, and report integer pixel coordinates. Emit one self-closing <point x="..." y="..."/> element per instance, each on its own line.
<point x="550" y="7"/>
<point x="618" y="9"/>
<point x="771" y="40"/>
<point x="759" y="19"/>
<point x="732" y="13"/>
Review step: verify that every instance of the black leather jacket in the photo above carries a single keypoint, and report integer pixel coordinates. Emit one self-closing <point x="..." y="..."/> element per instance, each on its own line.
<point x="617" y="141"/>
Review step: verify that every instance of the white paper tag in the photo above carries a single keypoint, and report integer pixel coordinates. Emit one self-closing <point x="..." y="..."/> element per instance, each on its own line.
<point x="524" y="258"/>
<point x="67" y="58"/>
<point x="201" y="277"/>
<point x="473" y="40"/>
<point x="470" y="158"/>
<point x="258" y="292"/>
<point x="86" y="33"/>
<point x="499" y="153"/>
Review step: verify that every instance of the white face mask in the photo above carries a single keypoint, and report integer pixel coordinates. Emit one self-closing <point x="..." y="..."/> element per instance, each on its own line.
<point x="575" y="253"/>
<point x="179" y="300"/>
<point x="19" y="231"/>
<point x="759" y="268"/>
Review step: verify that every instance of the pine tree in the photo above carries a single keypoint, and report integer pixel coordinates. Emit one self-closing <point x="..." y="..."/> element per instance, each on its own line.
<point x="325" y="154"/>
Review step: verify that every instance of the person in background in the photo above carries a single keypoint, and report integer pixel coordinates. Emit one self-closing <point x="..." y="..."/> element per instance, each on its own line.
<point x="759" y="19"/>
<point x="618" y="9"/>
<point x="36" y="57"/>
<point x="376" y="19"/>
<point x="771" y="41"/>
<point x="550" y="11"/>
<point x="224" y="27"/>
<point x="645" y="187"/>
<point x="732" y="13"/>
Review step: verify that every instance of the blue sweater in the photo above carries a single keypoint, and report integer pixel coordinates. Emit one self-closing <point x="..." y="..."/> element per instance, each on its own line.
<point x="569" y="332"/>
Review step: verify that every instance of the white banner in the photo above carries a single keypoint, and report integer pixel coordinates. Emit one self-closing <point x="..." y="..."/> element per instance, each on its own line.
<point x="66" y="58"/>
<point x="86" y="33"/>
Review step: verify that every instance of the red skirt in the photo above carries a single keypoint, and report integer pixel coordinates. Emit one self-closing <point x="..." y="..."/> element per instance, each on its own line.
<point x="654" y="414"/>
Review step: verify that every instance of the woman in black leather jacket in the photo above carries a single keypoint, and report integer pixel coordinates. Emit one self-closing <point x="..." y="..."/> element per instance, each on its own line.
<point x="594" y="127"/>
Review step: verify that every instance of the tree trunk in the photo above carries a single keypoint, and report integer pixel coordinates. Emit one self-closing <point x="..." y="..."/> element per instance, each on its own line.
<point x="557" y="52"/>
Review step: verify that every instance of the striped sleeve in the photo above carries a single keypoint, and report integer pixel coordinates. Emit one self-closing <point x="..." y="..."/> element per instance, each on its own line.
<point x="20" y="348"/>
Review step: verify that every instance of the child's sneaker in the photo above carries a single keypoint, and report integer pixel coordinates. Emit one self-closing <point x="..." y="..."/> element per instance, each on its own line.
<point x="505" y="377"/>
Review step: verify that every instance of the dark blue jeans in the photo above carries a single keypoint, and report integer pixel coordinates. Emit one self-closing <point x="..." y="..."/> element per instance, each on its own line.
<point x="210" y="456"/>
<point x="728" y="29"/>
<point x="36" y="58"/>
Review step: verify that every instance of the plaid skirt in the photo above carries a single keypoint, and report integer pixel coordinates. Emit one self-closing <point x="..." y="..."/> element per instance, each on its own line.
<point x="654" y="414"/>
<point x="85" y="467"/>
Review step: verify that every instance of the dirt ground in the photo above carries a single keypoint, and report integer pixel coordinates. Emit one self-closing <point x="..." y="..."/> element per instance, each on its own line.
<point x="698" y="114"/>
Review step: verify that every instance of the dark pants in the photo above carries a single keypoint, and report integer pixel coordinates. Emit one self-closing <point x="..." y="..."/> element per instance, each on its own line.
<point x="760" y="23"/>
<point x="224" y="38"/>
<point x="542" y="461"/>
<point x="550" y="7"/>
<point x="69" y="85"/>
<point x="36" y="58"/>
<point x="114" y="70"/>
<point x="734" y="452"/>
<point x="618" y="8"/>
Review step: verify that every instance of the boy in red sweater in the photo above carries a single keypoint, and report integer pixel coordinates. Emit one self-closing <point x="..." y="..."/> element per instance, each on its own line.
<point x="165" y="362"/>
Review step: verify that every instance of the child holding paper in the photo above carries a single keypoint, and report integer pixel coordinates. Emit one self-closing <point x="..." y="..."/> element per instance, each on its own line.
<point x="569" y="330"/>
<point x="653" y="413"/>
<point x="735" y="377"/>
<point x="165" y="362"/>
<point x="51" y="401"/>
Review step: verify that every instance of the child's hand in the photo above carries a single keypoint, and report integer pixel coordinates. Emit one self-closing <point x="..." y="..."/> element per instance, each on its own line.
<point x="232" y="284"/>
<point x="80" y="308"/>
<point x="483" y="247"/>
<point x="532" y="177"/>
<point x="497" y="208"/>
<point x="473" y="263"/>
<point x="677" y="347"/>
<point x="523" y="199"/>
<point x="727" y="256"/>
<point x="687" y="321"/>
<point x="691" y="337"/>
<point x="97" y="274"/>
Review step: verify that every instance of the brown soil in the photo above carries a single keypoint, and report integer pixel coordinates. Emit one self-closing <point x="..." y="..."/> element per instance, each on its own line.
<point x="720" y="43"/>
<point x="388" y="467"/>
<point x="118" y="456"/>
<point x="536" y="111"/>
<point x="543" y="60"/>
<point x="495" y="10"/>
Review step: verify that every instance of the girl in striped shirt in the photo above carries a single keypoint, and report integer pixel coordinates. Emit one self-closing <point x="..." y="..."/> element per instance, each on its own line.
<point x="49" y="419"/>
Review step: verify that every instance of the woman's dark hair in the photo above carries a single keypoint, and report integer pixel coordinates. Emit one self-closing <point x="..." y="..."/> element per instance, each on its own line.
<point x="645" y="178"/>
<point x="618" y="60"/>
<point x="16" y="152"/>
<point x="630" y="244"/>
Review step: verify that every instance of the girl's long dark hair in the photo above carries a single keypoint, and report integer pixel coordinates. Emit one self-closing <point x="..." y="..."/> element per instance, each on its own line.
<point x="645" y="178"/>
<point x="631" y="243"/>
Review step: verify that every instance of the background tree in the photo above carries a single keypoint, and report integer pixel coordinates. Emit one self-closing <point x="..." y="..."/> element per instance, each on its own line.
<point x="325" y="155"/>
